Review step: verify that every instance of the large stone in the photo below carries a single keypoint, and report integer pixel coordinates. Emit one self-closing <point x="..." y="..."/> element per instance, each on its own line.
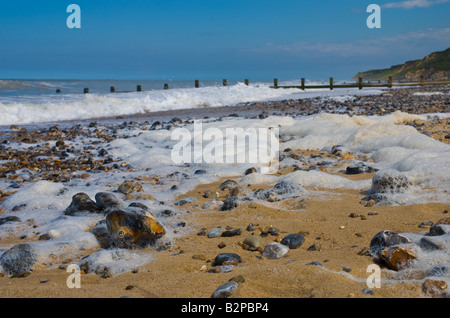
<point x="130" y="229"/>
<point x="81" y="202"/>
<point x="399" y="257"/>
<point x="385" y="239"/>
<point x="389" y="182"/>
<point x="18" y="260"/>
<point x="435" y="288"/>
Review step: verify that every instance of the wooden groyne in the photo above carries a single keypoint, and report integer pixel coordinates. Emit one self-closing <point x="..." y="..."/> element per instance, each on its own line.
<point x="360" y="84"/>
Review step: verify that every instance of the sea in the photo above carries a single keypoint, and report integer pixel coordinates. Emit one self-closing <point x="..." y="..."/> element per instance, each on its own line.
<point x="43" y="101"/>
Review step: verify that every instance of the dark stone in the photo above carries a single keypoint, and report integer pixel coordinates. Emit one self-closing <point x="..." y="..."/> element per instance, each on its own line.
<point x="293" y="241"/>
<point x="315" y="263"/>
<point x="439" y="229"/>
<point x="232" y="232"/>
<point x="184" y="201"/>
<point x="227" y="259"/>
<point x="229" y="204"/>
<point x="427" y="243"/>
<point x="9" y="219"/>
<point x="18" y="260"/>
<point x="228" y="184"/>
<point x="359" y="168"/>
<point x="107" y="201"/>
<point x="385" y="239"/>
<point x="198" y="172"/>
<point x="81" y="202"/>
<point x="138" y="205"/>
<point x="249" y="171"/>
<point x="285" y="187"/>
<point x="439" y="270"/>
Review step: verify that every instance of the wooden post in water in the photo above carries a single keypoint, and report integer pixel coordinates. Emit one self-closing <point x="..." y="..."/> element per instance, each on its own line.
<point x="86" y="90"/>
<point x="225" y="83"/>
<point x="331" y="83"/>
<point x="360" y="82"/>
<point x="275" y="82"/>
<point x="246" y="82"/>
<point x="197" y="84"/>
<point x="422" y="80"/>
<point x="390" y="82"/>
<point x="112" y="89"/>
<point x="303" y="83"/>
<point x="166" y="86"/>
<point x="139" y="88"/>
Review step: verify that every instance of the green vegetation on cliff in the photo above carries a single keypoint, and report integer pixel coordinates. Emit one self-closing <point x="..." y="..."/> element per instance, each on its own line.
<point x="435" y="66"/>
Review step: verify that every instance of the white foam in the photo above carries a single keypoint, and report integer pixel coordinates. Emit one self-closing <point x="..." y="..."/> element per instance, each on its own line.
<point x="116" y="261"/>
<point x="51" y="108"/>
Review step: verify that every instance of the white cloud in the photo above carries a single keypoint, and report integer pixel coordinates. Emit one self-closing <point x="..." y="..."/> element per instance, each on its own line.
<point x="414" y="41"/>
<point x="409" y="4"/>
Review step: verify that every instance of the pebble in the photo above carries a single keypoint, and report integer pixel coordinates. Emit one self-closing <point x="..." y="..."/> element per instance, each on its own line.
<point x="215" y="232"/>
<point x="293" y="241"/>
<point x="225" y="290"/>
<point x="275" y="250"/>
<point x="228" y="184"/>
<point x="227" y="259"/>
<point x="233" y="232"/>
<point x="81" y="202"/>
<point x="9" y="219"/>
<point x="129" y="186"/>
<point x="107" y="201"/>
<point x="315" y="263"/>
<point x="314" y="247"/>
<point x="253" y="243"/>
<point x="229" y="204"/>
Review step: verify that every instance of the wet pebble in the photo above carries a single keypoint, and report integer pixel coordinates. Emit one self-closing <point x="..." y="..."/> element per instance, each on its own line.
<point x="215" y="232"/>
<point x="227" y="259"/>
<point x="232" y="232"/>
<point x="253" y="243"/>
<point x="225" y="290"/>
<point x="293" y="241"/>
<point x="275" y="250"/>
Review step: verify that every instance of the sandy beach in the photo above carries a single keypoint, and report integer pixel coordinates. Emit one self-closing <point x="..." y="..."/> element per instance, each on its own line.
<point x="336" y="226"/>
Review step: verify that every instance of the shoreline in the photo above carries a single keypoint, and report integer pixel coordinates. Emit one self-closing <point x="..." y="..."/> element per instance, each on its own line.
<point x="324" y="219"/>
<point x="378" y="104"/>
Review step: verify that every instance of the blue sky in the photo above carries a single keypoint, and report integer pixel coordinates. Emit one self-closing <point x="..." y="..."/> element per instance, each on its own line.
<point x="211" y="39"/>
